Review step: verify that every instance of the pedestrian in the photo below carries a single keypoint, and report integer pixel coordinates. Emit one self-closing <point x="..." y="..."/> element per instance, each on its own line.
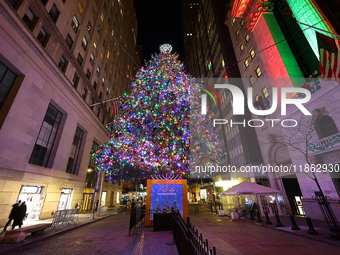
<point x="23" y="210"/>
<point x="77" y="207"/>
<point x="11" y="215"/>
<point x="17" y="216"/>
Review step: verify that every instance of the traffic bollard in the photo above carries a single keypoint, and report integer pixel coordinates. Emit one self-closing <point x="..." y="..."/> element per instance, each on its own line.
<point x="267" y="219"/>
<point x="311" y="229"/>
<point x="294" y="225"/>
<point x="259" y="219"/>
<point x="278" y="222"/>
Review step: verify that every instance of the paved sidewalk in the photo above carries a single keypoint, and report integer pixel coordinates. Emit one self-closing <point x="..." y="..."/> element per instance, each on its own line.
<point x="84" y="218"/>
<point x="232" y="237"/>
<point x="244" y="236"/>
<point x="323" y="232"/>
<point x="104" y="235"/>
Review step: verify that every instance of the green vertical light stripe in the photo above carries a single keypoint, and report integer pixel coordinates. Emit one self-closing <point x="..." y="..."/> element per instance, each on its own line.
<point x="306" y="12"/>
<point x="286" y="54"/>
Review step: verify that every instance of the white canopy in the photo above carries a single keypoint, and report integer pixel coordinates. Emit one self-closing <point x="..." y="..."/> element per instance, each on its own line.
<point x="249" y="188"/>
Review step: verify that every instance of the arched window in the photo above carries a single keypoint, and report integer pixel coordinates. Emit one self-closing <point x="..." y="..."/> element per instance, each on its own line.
<point x="325" y="126"/>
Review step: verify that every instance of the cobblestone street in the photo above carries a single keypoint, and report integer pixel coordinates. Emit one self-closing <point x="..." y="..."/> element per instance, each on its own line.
<point x="109" y="235"/>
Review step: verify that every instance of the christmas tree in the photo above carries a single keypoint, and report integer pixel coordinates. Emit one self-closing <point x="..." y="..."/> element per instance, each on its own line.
<point x="159" y="128"/>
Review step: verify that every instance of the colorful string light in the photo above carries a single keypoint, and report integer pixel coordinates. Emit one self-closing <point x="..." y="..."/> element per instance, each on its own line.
<point x="159" y="128"/>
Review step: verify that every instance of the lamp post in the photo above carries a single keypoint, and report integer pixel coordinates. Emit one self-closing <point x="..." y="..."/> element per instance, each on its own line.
<point x="97" y="190"/>
<point x="101" y="175"/>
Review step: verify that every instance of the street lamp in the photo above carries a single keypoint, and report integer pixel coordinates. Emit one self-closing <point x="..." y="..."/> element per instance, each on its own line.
<point x="96" y="191"/>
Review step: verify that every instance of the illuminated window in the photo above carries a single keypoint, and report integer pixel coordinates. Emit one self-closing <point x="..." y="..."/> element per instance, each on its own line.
<point x="108" y="55"/>
<point x="84" y="42"/>
<point x="252" y="53"/>
<point x="251" y="80"/>
<point x="258" y="71"/>
<point x="95" y="43"/>
<point x="75" y="23"/>
<point x="242" y="22"/>
<point x="102" y="16"/>
<point x="98" y="70"/>
<point x="92" y="58"/>
<point x="80" y="7"/>
<point x="89" y="26"/>
<point x="247" y="37"/>
<point x="241" y="47"/>
<point x="233" y="20"/>
<point x="246" y="63"/>
<point x="237" y="32"/>
<point x="265" y="92"/>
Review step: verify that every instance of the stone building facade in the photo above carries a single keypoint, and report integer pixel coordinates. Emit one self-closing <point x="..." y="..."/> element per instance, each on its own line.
<point x="58" y="59"/>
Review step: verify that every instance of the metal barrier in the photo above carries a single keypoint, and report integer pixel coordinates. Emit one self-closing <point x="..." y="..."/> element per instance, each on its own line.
<point x="185" y="236"/>
<point x="65" y="217"/>
<point x="187" y="239"/>
<point x="214" y="206"/>
<point x="140" y="219"/>
<point x="329" y="215"/>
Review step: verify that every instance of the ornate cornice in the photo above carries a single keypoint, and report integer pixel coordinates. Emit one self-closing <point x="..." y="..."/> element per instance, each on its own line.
<point x="251" y="10"/>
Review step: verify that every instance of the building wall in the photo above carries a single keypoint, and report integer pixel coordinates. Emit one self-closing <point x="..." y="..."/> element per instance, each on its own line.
<point x="211" y="56"/>
<point x="273" y="35"/>
<point x="40" y="82"/>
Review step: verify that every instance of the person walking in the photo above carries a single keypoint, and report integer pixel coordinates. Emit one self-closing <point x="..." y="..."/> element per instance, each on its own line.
<point x="78" y="207"/>
<point x="17" y="220"/>
<point x="11" y="215"/>
<point x="23" y="210"/>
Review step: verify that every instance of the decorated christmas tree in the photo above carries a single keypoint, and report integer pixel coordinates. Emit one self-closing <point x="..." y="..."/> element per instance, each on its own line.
<point x="159" y="128"/>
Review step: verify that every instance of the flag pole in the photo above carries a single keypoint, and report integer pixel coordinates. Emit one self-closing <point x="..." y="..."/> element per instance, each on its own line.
<point x="102" y="102"/>
<point x="319" y="29"/>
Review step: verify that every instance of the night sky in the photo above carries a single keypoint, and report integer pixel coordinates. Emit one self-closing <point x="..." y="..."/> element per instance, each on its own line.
<point x="159" y="22"/>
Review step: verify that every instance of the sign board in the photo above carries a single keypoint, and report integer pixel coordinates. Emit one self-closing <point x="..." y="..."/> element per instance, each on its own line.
<point x="172" y="192"/>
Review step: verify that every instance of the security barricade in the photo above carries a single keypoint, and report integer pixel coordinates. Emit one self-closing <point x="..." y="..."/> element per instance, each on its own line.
<point x="187" y="239"/>
<point x="65" y="217"/>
